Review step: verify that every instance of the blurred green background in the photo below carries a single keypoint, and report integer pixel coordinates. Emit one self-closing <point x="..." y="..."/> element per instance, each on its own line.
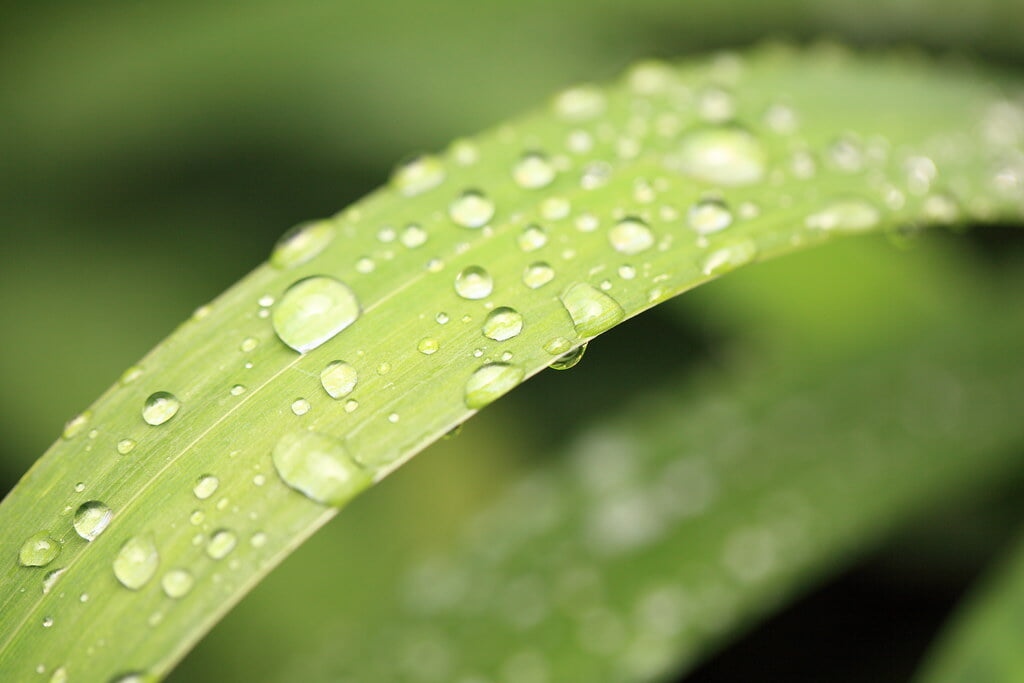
<point x="150" y="154"/>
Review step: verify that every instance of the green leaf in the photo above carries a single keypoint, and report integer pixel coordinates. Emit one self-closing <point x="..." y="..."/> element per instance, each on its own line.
<point x="213" y="453"/>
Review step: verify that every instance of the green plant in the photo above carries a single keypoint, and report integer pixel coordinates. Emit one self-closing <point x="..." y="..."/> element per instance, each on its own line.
<point x="374" y="333"/>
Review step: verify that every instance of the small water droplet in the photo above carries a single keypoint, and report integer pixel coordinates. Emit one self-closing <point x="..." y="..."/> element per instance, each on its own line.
<point x="418" y="175"/>
<point x="502" y="323"/>
<point x="650" y="77"/>
<point x="555" y="208"/>
<point x="428" y="346"/>
<point x="709" y="216"/>
<point x="125" y="446"/>
<point x="351" y="405"/>
<point x="533" y="171"/>
<point x="39" y="550"/>
<point x="300" y="406"/>
<point x="249" y="344"/>
<point x="580" y="103"/>
<point x="196" y="518"/>
<point x="569" y="359"/>
<point x="259" y="480"/>
<point x="91" y="518"/>
<point x="59" y="675"/>
<point x="471" y="209"/>
<point x="258" y="539"/>
<point x="365" y="265"/>
<point x="339" y="379"/>
<point x="627" y="272"/>
<point x="453" y="432"/>
<point x="489" y="382"/>
<point x="319" y="466"/>
<point x="76" y="424"/>
<point x="238" y="390"/>
<point x="51" y="578"/>
<point x="631" y="236"/>
<point x="222" y="542"/>
<point x="441" y="318"/>
<point x="722" y="155"/>
<point x="538" y="274"/>
<point x="532" y="238"/>
<point x="131" y="374"/>
<point x="729" y="258"/>
<point x="413" y="236"/>
<point x="591" y="310"/>
<point x="134" y="677"/>
<point x="314" y="310"/>
<point x="474" y="283"/>
<point x="205" y="486"/>
<point x="160" y="407"/>
<point x="846" y="155"/>
<point x="393" y="418"/>
<point x="557" y="346"/>
<point x="383" y="368"/>
<point x="136" y="562"/>
<point x="846" y="216"/>
<point x="301" y="244"/>
<point x="47" y="622"/>
<point x="177" y="583"/>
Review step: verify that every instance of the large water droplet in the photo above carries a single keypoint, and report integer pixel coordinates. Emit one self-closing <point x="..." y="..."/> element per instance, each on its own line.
<point x="301" y="244"/>
<point x="160" y="407"/>
<point x="533" y="171"/>
<point x="471" y="209"/>
<point x="177" y="583"/>
<point x="474" y="283"/>
<point x="502" y="323"/>
<point x="314" y="310"/>
<point x="91" y="519"/>
<point x="592" y="311"/>
<point x="538" y="274"/>
<point x="729" y="258"/>
<point x="39" y="550"/>
<point x="136" y="562"/>
<point x="339" y="379"/>
<point x="709" y="216"/>
<point x="489" y="382"/>
<point x="722" y="155"/>
<point x="570" y="359"/>
<point x="846" y="216"/>
<point x="631" y="236"/>
<point x="206" y="485"/>
<point x="418" y="175"/>
<point x="319" y="466"/>
<point x="222" y="542"/>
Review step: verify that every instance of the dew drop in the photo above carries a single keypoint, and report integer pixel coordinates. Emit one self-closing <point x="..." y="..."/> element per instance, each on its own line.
<point x="538" y="274"/>
<point x="418" y="175"/>
<point x="314" y="310"/>
<point x="555" y="208"/>
<point x="502" y="323"/>
<point x="76" y="424"/>
<point x="722" y="155"/>
<point x="729" y="258"/>
<point x="136" y="562"/>
<point x="125" y="446"/>
<point x="580" y="103"/>
<point x="441" y="318"/>
<point x="205" y="486"/>
<point x="569" y="359"/>
<point x="631" y="236"/>
<point x="591" y="310"/>
<point x="533" y="171"/>
<point x="80" y="486"/>
<point x="39" y="550"/>
<point x="351" y="405"/>
<point x="471" y="209"/>
<point x="428" y="346"/>
<point x="301" y="244"/>
<point x="160" y="407"/>
<point x="51" y="579"/>
<point x="59" y="675"/>
<point x="134" y="677"/>
<point x="319" y="466"/>
<point x="474" y="283"/>
<point x="222" y="542"/>
<point x="557" y="346"/>
<point x="709" y="216"/>
<point x="532" y="238"/>
<point x="300" y="406"/>
<point x="131" y="374"/>
<point x="413" y="236"/>
<point x="47" y="622"/>
<point x="338" y="379"/>
<point x="177" y="583"/>
<point x="846" y="216"/>
<point x="91" y="518"/>
<point x="258" y="539"/>
<point x="489" y="382"/>
<point x="238" y="390"/>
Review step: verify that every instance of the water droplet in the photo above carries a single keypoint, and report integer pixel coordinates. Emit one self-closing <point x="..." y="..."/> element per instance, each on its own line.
<point x="51" y="578"/>
<point x="134" y="677"/>
<point x="441" y="318"/>
<point x="532" y="238"/>
<point x="569" y="359"/>
<point x="314" y="310"/>
<point x="471" y="209"/>
<point x="319" y="466"/>
<point x="533" y="171"/>
<point x="160" y="407"/>
<point x="301" y="244"/>
<point x="650" y="77"/>
<point x="474" y="283"/>
<point x="418" y="175"/>
<point x="729" y="258"/>
<point x="556" y="346"/>
<point x="393" y="418"/>
<point x="489" y="382"/>
<point x="177" y="583"/>
<point x="365" y="265"/>
<point x="80" y="486"/>
<point x="125" y="446"/>
<point x="428" y="346"/>
<point x="538" y="274"/>
<point x="258" y="539"/>
<point x="781" y="119"/>
<point x="846" y="216"/>
<point x="591" y="310"/>
<point x="300" y="406"/>
<point x="76" y="424"/>
<point x="205" y="486"/>
<point x="248" y="344"/>
<point x="131" y="374"/>
<point x="453" y="432"/>
<point x="91" y="518"/>
<point x="136" y="562"/>
<point x="846" y="155"/>
<point x="502" y="323"/>
<point x="555" y="208"/>
<point x="39" y="550"/>
<point x="580" y="103"/>
<point x="196" y="518"/>
<point x="709" y="216"/>
<point x="722" y="155"/>
<point x="238" y="390"/>
<point x="222" y="542"/>
<point x="716" y="105"/>
<point x="59" y="675"/>
<point x="627" y="272"/>
<point x="383" y="368"/>
<point x="339" y="379"/>
<point x="47" y="622"/>
<point x="351" y="405"/>
<point x="631" y="236"/>
<point x="413" y="236"/>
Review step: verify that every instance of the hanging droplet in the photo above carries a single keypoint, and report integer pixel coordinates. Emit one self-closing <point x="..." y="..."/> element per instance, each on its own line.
<point x="177" y="583"/>
<point x="222" y="542"/>
<point x="136" y="562"/>
<point x="319" y="466"/>
<point x="721" y="155"/>
<point x="569" y="359"/>
<point x="314" y="310"/>
<point x="502" y="323"/>
<point x="205" y="486"/>
<point x="418" y="175"/>
<point x="160" y="407"/>
<point x="91" y="518"/>
<point x="471" y="209"/>
<point x="39" y="550"/>
<point x="76" y="425"/>
<point x="538" y="274"/>
<point x="532" y="238"/>
<point x="339" y="379"/>
<point x="301" y="244"/>
<point x="533" y="171"/>
<point x="631" y="236"/>
<point x="591" y="310"/>
<point x="709" y="216"/>
<point x="489" y="382"/>
<point x="474" y="283"/>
